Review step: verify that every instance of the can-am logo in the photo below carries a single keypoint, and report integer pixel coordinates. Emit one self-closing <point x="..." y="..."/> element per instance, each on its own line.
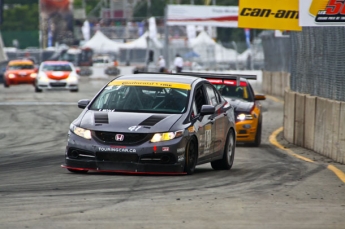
<point x="119" y="137"/>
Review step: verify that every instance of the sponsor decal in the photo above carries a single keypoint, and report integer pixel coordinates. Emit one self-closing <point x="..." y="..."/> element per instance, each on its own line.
<point x="322" y="12"/>
<point x="191" y="129"/>
<point x="120" y="149"/>
<point x="150" y="84"/>
<point x="134" y="128"/>
<point x="165" y="149"/>
<point x="269" y="14"/>
<point x="107" y="110"/>
<point x="180" y="158"/>
<point x="180" y="150"/>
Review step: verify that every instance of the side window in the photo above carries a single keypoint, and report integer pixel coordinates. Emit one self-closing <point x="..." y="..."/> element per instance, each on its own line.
<point x="200" y="99"/>
<point x="218" y="97"/>
<point x="211" y="95"/>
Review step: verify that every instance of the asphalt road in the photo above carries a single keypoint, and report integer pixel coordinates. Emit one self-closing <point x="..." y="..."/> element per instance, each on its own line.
<point x="267" y="188"/>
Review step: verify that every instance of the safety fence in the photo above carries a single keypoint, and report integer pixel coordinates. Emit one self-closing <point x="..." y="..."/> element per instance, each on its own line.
<point x="317" y="62"/>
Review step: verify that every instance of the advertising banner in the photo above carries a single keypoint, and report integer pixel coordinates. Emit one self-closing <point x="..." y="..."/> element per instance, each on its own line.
<point x="269" y="14"/>
<point x="322" y="13"/>
<point x="218" y="16"/>
<point x="56" y="22"/>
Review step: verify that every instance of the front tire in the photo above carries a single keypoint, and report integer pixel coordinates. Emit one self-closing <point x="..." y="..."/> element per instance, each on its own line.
<point x="6" y="84"/>
<point x="37" y="89"/>
<point x="75" y="90"/>
<point x="191" y="156"/>
<point x="257" y="141"/>
<point x="229" y="154"/>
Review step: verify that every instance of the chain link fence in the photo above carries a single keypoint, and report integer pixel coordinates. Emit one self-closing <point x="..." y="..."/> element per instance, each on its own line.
<point x="318" y="62"/>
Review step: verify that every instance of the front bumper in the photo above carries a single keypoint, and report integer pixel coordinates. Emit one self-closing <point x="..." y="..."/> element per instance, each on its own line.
<point x="20" y="80"/>
<point x="158" y="158"/>
<point x="57" y="85"/>
<point x="246" y="130"/>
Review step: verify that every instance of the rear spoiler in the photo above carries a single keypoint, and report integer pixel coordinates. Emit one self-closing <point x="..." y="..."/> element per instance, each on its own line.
<point x="236" y="77"/>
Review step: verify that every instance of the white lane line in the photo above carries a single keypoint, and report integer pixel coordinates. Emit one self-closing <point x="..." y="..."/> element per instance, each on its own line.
<point x="31" y="103"/>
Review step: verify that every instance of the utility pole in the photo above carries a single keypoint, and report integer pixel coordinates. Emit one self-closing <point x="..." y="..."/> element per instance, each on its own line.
<point x="214" y="2"/>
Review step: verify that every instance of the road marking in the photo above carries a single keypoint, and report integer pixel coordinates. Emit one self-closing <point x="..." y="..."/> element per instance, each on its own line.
<point x="30" y="103"/>
<point x="274" y="99"/>
<point x="273" y="140"/>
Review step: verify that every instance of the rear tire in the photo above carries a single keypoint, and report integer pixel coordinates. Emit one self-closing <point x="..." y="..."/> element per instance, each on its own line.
<point x="191" y="156"/>
<point x="78" y="171"/>
<point x="229" y="154"/>
<point x="6" y="84"/>
<point x="37" y="89"/>
<point x="74" y="90"/>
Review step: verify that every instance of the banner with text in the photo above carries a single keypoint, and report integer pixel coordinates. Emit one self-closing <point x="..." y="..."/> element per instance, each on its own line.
<point x="269" y="14"/>
<point x="218" y="16"/>
<point x="322" y="13"/>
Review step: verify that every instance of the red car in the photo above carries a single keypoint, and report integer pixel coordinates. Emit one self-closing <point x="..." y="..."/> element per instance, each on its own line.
<point x="20" y="72"/>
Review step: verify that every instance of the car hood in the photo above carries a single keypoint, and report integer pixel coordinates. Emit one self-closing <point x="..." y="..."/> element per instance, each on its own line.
<point x="240" y="105"/>
<point x="128" y="121"/>
<point x="57" y="75"/>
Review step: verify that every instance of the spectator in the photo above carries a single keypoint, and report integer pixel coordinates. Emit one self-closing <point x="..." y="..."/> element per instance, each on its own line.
<point x="178" y="63"/>
<point x="161" y="64"/>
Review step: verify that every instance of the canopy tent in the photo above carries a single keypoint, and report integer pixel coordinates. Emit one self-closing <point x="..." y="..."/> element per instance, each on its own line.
<point x="141" y="43"/>
<point x="100" y="43"/>
<point x="209" y="50"/>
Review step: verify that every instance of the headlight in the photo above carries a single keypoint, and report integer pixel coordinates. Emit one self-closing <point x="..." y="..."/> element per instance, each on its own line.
<point x="11" y="76"/>
<point x="43" y="77"/>
<point x="159" y="137"/>
<point x="80" y="132"/>
<point x="242" y="117"/>
<point x="33" y="75"/>
<point x="72" y="78"/>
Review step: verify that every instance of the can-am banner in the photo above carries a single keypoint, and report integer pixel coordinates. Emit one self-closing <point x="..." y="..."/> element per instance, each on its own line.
<point x="56" y="22"/>
<point x="322" y="13"/>
<point x="218" y="16"/>
<point x="269" y="14"/>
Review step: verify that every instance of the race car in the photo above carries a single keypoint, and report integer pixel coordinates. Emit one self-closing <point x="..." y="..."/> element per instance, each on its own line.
<point x="248" y="111"/>
<point x="57" y="75"/>
<point x="152" y="123"/>
<point x="19" y="72"/>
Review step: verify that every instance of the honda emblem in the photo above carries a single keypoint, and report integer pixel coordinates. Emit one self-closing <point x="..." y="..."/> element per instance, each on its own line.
<point x="119" y="137"/>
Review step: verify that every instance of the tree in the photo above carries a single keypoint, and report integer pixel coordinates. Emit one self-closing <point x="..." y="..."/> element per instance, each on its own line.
<point x="21" y="18"/>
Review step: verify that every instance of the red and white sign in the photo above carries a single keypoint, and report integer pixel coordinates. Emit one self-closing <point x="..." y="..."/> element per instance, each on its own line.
<point x="218" y="16"/>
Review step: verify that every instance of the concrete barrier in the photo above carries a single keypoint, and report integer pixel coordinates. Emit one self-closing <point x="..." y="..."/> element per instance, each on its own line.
<point x="319" y="132"/>
<point x="276" y="84"/>
<point x="341" y="138"/>
<point x="285" y="81"/>
<point x="328" y="129"/>
<point x="266" y="82"/>
<point x="309" y="121"/>
<point x="336" y="106"/>
<point x="299" y="124"/>
<point x="289" y="115"/>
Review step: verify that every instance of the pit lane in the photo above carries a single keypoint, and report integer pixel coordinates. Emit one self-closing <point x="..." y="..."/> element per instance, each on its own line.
<point x="265" y="189"/>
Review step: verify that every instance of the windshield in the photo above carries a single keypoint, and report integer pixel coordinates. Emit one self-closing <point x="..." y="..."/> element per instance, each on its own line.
<point x="21" y="66"/>
<point x="148" y="99"/>
<point x="235" y="92"/>
<point x="57" y="67"/>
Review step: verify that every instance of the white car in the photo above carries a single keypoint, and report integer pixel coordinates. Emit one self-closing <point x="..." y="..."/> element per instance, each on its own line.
<point x="57" y="75"/>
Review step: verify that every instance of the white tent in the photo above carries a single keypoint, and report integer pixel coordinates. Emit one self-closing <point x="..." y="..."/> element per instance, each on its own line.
<point x="100" y="43"/>
<point x="209" y="50"/>
<point x="141" y="43"/>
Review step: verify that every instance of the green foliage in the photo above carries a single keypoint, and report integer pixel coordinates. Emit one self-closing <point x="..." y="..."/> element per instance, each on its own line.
<point x="90" y="4"/>
<point x="21" y="17"/>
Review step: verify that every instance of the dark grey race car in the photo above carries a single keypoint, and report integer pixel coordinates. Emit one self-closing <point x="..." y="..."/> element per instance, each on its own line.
<point x="152" y="123"/>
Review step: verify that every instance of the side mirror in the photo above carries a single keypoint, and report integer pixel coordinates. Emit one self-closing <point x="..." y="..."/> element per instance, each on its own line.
<point x="83" y="103"/>
<point x="260" y="97"/>
<point x="77" y="70"/>
<point x="207" y="110"/>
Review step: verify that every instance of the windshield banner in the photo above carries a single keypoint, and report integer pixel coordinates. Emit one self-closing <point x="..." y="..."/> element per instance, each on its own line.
<point x="322" y="13"/>
<point x="150" y="84"/>
<point x="269" y="14"/>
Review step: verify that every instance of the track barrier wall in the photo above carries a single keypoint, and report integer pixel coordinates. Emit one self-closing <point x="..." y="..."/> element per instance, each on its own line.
<point x="315" y="123"/>
<point x="274" y="83"/>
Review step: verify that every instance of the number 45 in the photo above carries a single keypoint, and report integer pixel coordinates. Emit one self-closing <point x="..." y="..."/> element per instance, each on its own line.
<point x="335" y="7"/>
<point x="134" y="128"/>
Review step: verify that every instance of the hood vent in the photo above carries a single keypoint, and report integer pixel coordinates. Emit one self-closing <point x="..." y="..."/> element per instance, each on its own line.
<point x="153" y="120"/>
<point x="101" y="118"/>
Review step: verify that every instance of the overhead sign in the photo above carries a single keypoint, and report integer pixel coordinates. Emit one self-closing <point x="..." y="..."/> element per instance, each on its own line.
<point x="218" y="16"/>
<point x="269" y="14"/>
<point x="322" y="13"/>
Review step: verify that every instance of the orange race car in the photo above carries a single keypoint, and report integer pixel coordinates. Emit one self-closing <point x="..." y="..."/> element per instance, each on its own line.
<point x="20" y="72"/>
<point x="248" y="112"/>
